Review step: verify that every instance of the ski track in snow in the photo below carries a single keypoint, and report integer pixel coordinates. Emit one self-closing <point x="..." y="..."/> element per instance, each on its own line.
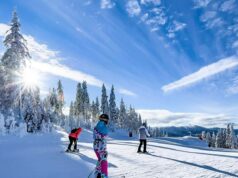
<point x="40" y="156"/>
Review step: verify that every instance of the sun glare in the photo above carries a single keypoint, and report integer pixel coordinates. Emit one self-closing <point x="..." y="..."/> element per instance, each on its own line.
<point x="30" y="78"/>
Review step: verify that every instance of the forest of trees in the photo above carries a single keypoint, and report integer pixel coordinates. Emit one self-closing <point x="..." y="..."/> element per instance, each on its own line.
<point x="20" y="105"/>
<point x="225" y="138"/>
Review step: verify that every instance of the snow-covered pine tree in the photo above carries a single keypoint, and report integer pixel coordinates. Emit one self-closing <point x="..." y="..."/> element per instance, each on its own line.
<point x="60" y="104"/>
<point x="13" y="61"/>
<point x="228" y="136"/>
<point x="112" y="110"/>
<point x="234" y="143"/>
<point x="2" y="123"/>
<point x="93" y="111"/>
<point x="219" y="139"/>
<point x="60" y="99"/>
<point x="132" y="120"/>
<point x="104" y="101"/>
<point x="33" y="112"/>
<point x="122" y="118"/>
<point x="78" y="101"/>
<point x="71" y="116"/>
<point x="213" y="141"/>
<point x="97" y="106"/>
<point x="71" y="109"/>
<point x="223" y="138"/>
<point x="85" y="103"/>
<point x="209" y="139"/>
<point x="203" y="135"/>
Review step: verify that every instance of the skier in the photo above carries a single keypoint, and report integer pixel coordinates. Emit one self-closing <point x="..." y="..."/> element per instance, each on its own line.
<point x="100" y="146"/>
<point x="143" y="133"/>
<point x="73" y="137"/>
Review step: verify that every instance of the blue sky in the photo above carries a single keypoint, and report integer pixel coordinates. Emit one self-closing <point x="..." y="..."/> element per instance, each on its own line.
<point x="174" y="61"/>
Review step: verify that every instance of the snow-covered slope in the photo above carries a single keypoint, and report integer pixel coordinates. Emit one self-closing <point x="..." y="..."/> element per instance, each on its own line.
<point x="41" y="156"/>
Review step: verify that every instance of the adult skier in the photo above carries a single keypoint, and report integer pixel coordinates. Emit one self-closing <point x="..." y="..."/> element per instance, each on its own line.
<point x="143" y="134"/>
<point x="73" y="137"/>
<point x="100" y="146"/>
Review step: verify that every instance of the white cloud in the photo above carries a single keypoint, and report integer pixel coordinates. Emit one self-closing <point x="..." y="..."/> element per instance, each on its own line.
<point x="233" y="88"/>
<point x="201" y="3"/>
<point x="3" y="29"/>
<point x="208" y="15"/>
<point x="227" y="5"/>
<point x="216" y="22"/>
<point x="176" y="26"/>
<point x="107" y="4"/>
<point x="133" y="8"/>
<point x="58" y="69"/>
<point x="126" y="92"/>
<point x="203" y="73"/>
<point x="155" y="2"/>
<point x="163" y="118"/>
<point x="235" y="44"/>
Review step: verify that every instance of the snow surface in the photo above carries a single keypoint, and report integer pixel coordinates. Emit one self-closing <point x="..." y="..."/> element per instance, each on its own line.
<point x="42" y="156"/>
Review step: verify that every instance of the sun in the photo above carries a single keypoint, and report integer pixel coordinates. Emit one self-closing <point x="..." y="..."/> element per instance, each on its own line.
<point x="30" y="78"/>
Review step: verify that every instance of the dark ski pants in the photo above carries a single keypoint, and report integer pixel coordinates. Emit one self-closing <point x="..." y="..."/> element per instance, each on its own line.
<point x="142" y="142"/>
<point x="72" y="141"/>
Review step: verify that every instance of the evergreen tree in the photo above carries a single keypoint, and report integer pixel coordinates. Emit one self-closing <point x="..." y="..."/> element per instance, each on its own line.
<point x="60" y="99"/>
<point x="33" y="111"/>
<point x="71" y="115"/>
<point x="122" y="115"/>
<point x="228" y="136"/>
<point x="97" y="107"/>
<point x="219" y="139"/>
<point x="78" y="101"/>
<point x="104" y="101"/>
<point x="71" y="109"/>
<point x="112" y="109"/>
<point x="213" y="141"/>
<point x="85" y="102"/>
<point x="209" y="139"/>
<point x="12" y="63"/>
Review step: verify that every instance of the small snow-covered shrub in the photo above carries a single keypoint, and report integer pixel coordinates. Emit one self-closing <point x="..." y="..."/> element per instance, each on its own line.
<point x="2" y="125"/>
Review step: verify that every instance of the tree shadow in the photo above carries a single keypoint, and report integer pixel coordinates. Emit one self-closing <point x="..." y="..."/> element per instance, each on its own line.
<point x="169" y="142"/>
<point x="174" y="149"/>
<point x="197" y="165"/>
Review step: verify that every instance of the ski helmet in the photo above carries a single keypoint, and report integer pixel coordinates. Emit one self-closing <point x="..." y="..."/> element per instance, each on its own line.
<point x="104" y="117"/>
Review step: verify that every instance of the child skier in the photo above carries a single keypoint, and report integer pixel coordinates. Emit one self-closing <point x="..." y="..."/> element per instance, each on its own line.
<point x="100" y="146"/>
<point x="73" y="137"/>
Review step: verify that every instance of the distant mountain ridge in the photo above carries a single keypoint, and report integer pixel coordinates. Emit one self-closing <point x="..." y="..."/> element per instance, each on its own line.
<point x="188" y="130"/>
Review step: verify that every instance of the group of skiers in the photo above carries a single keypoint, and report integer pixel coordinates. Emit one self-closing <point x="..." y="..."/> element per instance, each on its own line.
<point x="100" y="133"/>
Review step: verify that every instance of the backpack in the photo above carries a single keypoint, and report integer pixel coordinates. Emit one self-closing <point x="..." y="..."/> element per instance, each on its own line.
<point x="74" y="130"/>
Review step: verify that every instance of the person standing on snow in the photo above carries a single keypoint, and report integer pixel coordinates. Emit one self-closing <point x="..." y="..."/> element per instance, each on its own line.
<point x="100" y="146"/>
<point x="143" y="134"/>
<point x="73" y="137"/>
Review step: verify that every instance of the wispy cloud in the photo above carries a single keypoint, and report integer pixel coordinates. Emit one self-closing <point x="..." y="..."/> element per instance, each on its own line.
<point x="155" y="2"/>
<point x="201" y="3"/>
<point x="126" y="92"/>
<point x="175" y="27"/>
<point x="66" y="72"/>
<point x="203" y="73"/>
<point x="107" y="4"/>
<point x="133" y="8"/>
<point x="162" y="118"/>
<point x="227" y="5"/>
